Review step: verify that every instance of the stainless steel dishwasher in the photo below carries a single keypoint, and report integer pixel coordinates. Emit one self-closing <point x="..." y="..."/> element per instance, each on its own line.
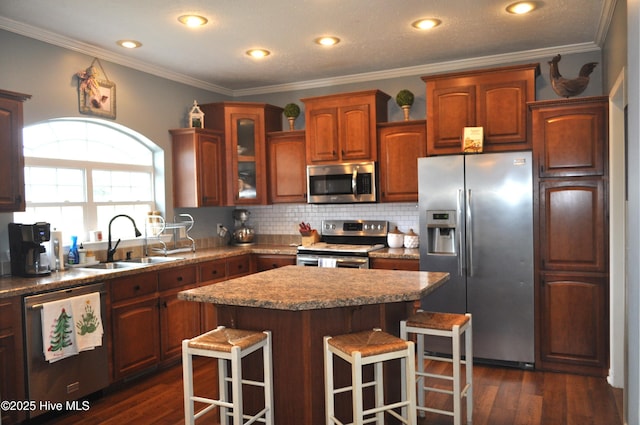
<point x="68" y="379"/>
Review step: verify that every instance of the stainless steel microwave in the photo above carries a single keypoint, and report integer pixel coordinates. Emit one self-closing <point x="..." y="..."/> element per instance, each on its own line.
<point x="341" y="183"/>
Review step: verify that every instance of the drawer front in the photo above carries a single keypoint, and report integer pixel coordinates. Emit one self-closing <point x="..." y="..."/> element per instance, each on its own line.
<point x="213" y="271"/>
<point x="133" y="286"/>
<point x="177" y="277"/>
<point x="239" y="266"/>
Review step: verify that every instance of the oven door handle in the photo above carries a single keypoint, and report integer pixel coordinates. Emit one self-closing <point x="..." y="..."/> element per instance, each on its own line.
<point x="353" y="263"/>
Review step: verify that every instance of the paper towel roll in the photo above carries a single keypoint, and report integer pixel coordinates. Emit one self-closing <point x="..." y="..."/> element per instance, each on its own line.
<point x="56" y="236"/>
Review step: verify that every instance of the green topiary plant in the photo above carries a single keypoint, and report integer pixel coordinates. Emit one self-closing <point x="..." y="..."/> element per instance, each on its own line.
<point x="404" y="98"/>
<point x="291" y="110"/>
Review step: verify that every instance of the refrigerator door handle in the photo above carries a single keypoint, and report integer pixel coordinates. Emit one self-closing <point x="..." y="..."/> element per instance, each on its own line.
<point x="461" y="251"/>
<point x="469" y="231"/>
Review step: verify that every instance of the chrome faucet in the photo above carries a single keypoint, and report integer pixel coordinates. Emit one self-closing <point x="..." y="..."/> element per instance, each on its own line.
<point x="112" y="251"/>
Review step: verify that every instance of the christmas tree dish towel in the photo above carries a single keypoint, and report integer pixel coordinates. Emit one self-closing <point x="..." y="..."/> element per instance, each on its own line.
<point x="87" y="321"/>
<point x="58" y="337"/>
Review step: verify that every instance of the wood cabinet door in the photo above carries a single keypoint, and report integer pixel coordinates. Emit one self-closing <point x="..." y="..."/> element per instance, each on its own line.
<point x="574" y="323"/>
<point x="210" y="170"/>
<point x="502" y="112"/>
<point x="239" y="266"/>
<point x="197" y="167"/>
<point x="136" y="337"/>
<point x="400" y="146"/>
<point x="573" y="227"/>
<point x="287" y="167"/>
<point x="273" y="261"/>
<point x="571" y="137"/>
<point x="179" y="319"/>
<point x="354" y="133"/>
<point x="246" y="157"/>
<point x="11" y="156"/>
<point x="449" y="110"/>
<point x="395" y="264"/>
<point x="322" y="135"/>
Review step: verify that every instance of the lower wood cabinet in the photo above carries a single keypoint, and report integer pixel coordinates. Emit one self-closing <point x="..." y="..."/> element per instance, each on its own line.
<point x="239" y="265"/>
<point x="210" y="272"/>
<point x="272" y="261"/>
<point x="574" y="323"/>
<point x="395" y="263"/>
<point x="135" y="324"/>
<point x="11" y="358"/>
<point x="179" y="319"/>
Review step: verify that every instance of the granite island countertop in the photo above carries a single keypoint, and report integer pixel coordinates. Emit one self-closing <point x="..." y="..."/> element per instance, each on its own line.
<point x="308" y="288"/>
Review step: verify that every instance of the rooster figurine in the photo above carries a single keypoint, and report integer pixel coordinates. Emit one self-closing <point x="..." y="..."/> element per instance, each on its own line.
<point x="565" y="87"/>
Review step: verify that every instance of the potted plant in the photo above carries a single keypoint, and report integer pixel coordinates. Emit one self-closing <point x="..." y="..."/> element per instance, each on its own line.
<point x="291" y="111"/>
<point x="404" y="99"/>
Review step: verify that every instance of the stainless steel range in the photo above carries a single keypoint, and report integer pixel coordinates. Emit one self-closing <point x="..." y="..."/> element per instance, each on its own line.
<point x="344" y="243"/>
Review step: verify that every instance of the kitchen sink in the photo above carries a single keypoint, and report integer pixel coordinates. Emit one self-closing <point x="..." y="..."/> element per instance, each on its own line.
<point x="112" y="266"/>
<point x="151" y="260"/>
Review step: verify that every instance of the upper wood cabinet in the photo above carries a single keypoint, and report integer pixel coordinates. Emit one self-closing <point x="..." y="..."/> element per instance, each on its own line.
<point x="495" y="99"/>
<point x="570" y="136"/>
<point x="11" y="151"/>
<point x="342" y="127"/>
<point x="400" y="145"/>
<point x="197" y="167"/>
<point x="245" y="126"/>
<point x="287" y="167"/>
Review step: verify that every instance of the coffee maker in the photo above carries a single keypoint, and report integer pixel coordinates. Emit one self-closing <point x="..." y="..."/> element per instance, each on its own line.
<point x="28" y="255"/>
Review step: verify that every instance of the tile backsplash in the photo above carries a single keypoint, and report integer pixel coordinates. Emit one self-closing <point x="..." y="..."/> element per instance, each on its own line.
<point x="283" y="219"/>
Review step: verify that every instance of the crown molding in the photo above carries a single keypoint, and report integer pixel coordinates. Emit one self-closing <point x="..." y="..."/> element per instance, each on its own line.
<point x="427" y="69"/>
<point x="469" y="63"/>
<point x="94" y="51"/>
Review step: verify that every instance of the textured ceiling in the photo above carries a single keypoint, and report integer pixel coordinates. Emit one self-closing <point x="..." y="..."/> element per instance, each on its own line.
<point x="376" y="35"/>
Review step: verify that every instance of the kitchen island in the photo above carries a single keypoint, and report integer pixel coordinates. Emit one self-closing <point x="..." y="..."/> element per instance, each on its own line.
<point x="300" y="305"/>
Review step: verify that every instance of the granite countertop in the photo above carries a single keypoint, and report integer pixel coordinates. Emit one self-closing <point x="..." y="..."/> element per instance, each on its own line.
<point x="13" y="285"/>
<point x="309" y="288"/>
<point x="399" y="253"/>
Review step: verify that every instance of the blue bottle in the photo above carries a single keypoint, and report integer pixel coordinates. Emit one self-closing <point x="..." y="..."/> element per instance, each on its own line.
<point x="74" y="256"/>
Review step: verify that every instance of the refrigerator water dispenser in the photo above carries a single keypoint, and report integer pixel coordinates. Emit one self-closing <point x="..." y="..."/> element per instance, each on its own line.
<point x="441" y="232"/>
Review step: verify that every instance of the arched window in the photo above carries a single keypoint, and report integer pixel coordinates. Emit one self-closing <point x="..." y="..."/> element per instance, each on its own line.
<point x="79" y="173"/>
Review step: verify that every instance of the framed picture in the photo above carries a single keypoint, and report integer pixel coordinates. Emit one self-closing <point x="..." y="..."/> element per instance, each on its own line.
<point x="100" y="102"/>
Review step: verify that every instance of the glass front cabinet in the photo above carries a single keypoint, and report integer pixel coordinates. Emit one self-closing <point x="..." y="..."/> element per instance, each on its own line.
<point x="245" y="126"/>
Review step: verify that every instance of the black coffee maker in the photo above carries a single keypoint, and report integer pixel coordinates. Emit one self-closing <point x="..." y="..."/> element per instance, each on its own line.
<point x="25" y="248"/>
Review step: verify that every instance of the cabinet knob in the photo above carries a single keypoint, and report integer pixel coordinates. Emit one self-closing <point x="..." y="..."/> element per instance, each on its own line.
<point x="179" y="278"/>
<point x="214" y="272"/>
<point x="136" y="288"/>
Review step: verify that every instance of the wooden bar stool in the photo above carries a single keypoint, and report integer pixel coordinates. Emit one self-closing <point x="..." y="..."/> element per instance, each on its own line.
<point x="446" y="325"/>
<point x="228" y="345"/>
<point x="364" y="348"/>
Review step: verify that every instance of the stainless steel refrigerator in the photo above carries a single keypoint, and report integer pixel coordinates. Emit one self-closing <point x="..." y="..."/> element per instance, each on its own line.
<point x="476" y="222"/>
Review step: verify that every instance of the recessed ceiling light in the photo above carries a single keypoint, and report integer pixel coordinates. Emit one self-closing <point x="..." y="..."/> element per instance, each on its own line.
<point x="521" y="7"/>
<point x="426" y="24"/>
<point x="327" y="41"/>
<point x="129" y="44"/>
<point x="193" y="20"/>
<point x="258" y="53"/>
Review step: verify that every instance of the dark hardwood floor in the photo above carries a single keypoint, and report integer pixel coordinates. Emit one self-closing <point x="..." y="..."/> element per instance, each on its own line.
<point x="502" y="396"/>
